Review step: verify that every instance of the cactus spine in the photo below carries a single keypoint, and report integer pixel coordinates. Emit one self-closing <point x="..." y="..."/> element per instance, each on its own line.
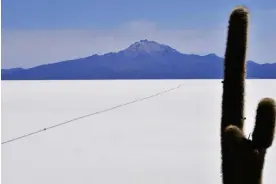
<point x="242" y="159"/>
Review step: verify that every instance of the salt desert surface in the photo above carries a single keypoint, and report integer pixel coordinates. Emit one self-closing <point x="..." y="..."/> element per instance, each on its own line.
<point x="172" y="138"/>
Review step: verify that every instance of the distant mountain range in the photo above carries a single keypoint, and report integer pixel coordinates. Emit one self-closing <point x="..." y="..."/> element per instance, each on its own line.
<point x="142" y="60"/>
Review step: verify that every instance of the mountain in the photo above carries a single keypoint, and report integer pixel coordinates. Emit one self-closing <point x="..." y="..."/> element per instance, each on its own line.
<point x="10" y="71"/>
<point x="142" y="60"/>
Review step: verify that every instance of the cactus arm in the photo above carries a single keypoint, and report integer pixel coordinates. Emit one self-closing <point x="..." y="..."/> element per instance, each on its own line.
<point x="234" y="69"/>
<point x="264" y="129"/>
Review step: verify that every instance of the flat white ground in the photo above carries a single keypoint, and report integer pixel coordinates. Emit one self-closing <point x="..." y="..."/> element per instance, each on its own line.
<point x="170" y="139"/>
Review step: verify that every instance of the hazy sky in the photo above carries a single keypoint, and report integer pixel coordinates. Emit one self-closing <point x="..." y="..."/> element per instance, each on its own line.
<point x="35" y="32"/>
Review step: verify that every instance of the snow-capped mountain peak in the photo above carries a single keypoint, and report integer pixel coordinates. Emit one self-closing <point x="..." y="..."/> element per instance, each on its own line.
<point x="146" y="46"/>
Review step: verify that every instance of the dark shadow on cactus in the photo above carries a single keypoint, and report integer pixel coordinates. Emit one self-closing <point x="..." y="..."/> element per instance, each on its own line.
<point x="242" y="159"/>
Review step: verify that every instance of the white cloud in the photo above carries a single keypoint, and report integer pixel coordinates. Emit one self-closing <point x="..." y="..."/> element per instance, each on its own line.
<point x="27" y="48"/>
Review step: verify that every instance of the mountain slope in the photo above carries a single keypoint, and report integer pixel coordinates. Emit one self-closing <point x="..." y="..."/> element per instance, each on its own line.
<point x="142" y="60"/>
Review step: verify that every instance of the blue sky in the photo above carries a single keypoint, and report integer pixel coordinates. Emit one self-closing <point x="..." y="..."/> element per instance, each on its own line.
<point x="35" y="32"/>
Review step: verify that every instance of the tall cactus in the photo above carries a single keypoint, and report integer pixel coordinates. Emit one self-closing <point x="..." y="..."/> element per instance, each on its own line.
<point x="242" y="158"/>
